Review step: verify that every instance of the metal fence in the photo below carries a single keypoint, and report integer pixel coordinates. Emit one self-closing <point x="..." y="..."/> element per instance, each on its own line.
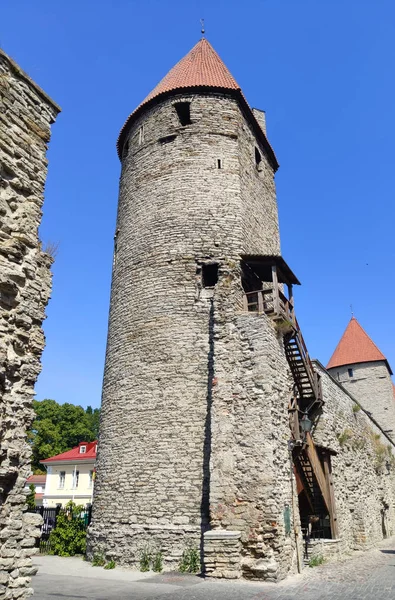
<point x="50" y="516"/>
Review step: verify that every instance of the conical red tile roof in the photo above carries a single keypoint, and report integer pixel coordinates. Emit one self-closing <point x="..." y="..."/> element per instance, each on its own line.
<point x="355" y="346"/>
<point x="200" y="68"/>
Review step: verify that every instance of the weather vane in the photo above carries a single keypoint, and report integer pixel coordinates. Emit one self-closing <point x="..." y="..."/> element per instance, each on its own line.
<point x="352" y="312"/>
<point x="202" y="24"/>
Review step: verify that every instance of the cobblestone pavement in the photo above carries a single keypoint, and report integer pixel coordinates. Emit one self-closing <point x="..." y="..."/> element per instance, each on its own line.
<point x="366" y="576"/>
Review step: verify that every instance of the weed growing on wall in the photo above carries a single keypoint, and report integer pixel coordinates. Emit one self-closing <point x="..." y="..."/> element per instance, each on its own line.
<point x="69" y="536"/>
<point x="110" y="564"/>
<point x="157" y="563"/>
<point x="98" y="560"/>
<point x="145" y="560"/>
<point x="344" y="437"/>
<point x="190" y="561"/>
<point x="316" y="561"/>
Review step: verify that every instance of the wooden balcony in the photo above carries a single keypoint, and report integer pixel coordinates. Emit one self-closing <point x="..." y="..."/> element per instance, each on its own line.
<point x="271" y="301"/>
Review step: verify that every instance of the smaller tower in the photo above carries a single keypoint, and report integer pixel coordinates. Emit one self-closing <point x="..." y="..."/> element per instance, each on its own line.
<point x="364" y="371"/>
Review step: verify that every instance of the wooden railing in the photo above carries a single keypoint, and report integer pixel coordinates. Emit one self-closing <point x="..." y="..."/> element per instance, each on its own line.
<point x="271" y="301"/>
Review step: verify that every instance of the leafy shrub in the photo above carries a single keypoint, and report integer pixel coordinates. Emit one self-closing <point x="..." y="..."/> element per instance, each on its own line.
<point x="190" y="560"/>
<point x="110" y="564"/>
<point x="98" y="560"/>
<point x="69" y="536"/>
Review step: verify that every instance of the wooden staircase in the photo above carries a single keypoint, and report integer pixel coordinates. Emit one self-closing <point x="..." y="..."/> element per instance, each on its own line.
<point x="307" y="381"/>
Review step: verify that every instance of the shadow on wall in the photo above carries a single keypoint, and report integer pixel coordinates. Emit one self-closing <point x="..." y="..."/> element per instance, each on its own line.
<point x="205" y="502"/>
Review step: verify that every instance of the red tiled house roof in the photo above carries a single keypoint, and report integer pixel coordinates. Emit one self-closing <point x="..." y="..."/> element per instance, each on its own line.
<point x="355" y="346"/>
<point x="75" y="454"/>
<point x="201" y="69"/>
<point x="36" y="479"/>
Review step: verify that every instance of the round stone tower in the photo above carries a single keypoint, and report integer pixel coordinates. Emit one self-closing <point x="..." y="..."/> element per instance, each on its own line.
<point x="196" y="195"/>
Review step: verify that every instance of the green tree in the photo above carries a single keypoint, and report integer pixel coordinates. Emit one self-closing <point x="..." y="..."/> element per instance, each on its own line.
<point x="58" y="428"/>
<point x="31" y="497"/>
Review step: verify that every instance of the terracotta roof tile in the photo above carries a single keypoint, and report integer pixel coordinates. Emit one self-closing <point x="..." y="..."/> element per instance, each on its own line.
<point x="74" y="454"/>
<point x="200" y="67"/>
<point x="355" y="346"/>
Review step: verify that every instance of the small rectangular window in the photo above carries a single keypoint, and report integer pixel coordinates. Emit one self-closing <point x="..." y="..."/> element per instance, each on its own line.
<point x="338" y="376"/>
<point x="219" y="163"/>
<point x="183" y="110"/>
<point x="350" y="373"/>
<point x="258" y="159"/>
<point x="62" y="477"/>
<point x="210" y="275"/>
<point x="90" y="479"/>
<point x="141" y="134"/>
<point x="82" y="449"/>
<point x="76" y="478"/>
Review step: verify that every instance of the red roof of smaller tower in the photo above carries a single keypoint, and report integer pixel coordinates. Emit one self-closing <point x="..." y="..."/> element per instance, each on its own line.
<point x="75" y="454"/>
<point x="354" y="347"/>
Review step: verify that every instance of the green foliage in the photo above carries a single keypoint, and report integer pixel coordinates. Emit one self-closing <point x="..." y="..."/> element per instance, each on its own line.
<point x="382" y="454"/>
<point x="31" y="497"/>
<point x="190" y="560"/>
<point x="98" y="560"/>
<point x="344" y="436"/>
<point x="316" y="561"/>
<point x="69" y="536"/>
<point x="60" y="427"/>
<point x="145" y="560"/>
<point x="356" y="408"/>
<point x="157" y="562"/>
<point x="110" y="564"/>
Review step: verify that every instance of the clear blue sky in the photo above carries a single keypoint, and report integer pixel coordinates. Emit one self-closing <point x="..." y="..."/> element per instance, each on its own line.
<point x="324" y="72"/>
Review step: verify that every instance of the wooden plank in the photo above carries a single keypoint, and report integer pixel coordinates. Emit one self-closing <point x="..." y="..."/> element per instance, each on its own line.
<point x="276" y="299"/>
<point x="329" y="481"/>
<point x="260" y="302"/>
<point x="318" y="471"/>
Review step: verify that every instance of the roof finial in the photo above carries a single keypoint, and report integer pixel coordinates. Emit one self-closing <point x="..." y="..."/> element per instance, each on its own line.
<point x="202" y="24"/>
<point x="352" y="312"/>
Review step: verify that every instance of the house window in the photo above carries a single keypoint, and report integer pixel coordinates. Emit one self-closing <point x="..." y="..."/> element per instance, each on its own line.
<point x="82" y="449"/>
<point x="141" y="134"/>
<point x="350" y="372"/>
<point x="76" y="478"/>
<point x="183" y="110"/>
<point x="90" y="479"/>
<point x="62" y="478"/>
<point x="209" y="275"/>
<point x="258" y="159"/>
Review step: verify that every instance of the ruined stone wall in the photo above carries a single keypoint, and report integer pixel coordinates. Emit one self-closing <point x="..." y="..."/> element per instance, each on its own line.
<point x="371" y="384"/>
<point x="178" y="209"/>
<point x="25" y="284"/>
<point x="363" y="468"/>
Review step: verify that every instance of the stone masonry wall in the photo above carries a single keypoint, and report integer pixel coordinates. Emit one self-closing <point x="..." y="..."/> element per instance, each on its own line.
<point x="371" y="385"/>
<point x="252" y="482"/>
<point x="179" y="208"/>
<point x="363" y="468"/>
<point x="26" y="114"/>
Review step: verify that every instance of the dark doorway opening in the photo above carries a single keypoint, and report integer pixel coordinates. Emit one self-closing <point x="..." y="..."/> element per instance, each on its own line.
<point x="210" y="275"/>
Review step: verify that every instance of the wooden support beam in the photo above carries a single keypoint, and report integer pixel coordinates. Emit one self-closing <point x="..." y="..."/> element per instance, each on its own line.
<point x="318" y="471"/>
<point x="276" y="298"/>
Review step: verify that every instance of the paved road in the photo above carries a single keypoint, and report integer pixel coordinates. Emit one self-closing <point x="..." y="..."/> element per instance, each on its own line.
<point x="368" y="576"/>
